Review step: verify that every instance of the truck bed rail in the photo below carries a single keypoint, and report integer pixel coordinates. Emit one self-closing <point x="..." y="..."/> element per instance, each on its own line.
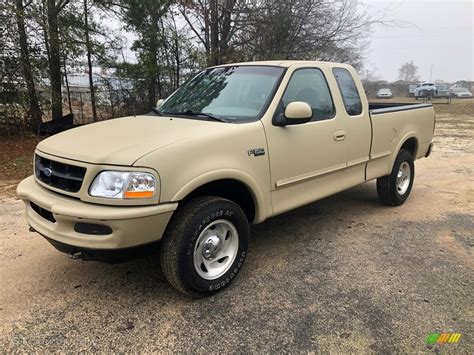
<point x="376" y="108"/>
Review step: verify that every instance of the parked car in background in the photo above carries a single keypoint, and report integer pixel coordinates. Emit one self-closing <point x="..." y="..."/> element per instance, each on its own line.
<point x="442" y="91"/>
<point x="461" y="93"/>
<point x="426" y="89"/>
<point x="411" y="90"/>
<point x="384" y="94"/>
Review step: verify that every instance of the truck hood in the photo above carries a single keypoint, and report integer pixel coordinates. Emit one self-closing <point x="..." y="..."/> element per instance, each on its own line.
<point x="123" y="141"/>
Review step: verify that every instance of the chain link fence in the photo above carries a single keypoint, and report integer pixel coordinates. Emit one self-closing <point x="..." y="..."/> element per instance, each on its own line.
<point x="110" y="103"/>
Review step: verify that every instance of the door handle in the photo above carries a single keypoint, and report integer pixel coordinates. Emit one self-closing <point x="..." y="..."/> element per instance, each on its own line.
<point x="340" y="135"/>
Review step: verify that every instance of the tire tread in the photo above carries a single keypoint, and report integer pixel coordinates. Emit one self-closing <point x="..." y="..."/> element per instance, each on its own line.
<point x="172" y="240"/>
<point x="386" y="185"/>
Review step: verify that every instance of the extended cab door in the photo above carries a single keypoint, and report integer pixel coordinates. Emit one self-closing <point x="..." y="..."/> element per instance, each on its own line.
<point x="306" y="159"/>
<point x="355" y="110"/>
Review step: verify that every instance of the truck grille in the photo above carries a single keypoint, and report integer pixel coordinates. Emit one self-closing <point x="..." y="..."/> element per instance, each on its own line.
<point x="59" y="175"/>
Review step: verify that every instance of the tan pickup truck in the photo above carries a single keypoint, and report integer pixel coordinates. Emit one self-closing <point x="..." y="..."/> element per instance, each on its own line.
<point x="235" y="145"/>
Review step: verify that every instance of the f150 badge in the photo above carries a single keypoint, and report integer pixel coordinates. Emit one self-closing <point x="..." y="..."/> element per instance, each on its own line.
<point x="256" y="152"/>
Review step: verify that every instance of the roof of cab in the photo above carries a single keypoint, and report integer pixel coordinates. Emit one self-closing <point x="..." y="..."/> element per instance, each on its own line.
<point x="281" y="63"/>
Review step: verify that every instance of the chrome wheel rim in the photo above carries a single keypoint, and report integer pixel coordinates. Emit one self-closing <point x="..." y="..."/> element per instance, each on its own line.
<point x="215" y="249"/>
<point x="403" y="178"/>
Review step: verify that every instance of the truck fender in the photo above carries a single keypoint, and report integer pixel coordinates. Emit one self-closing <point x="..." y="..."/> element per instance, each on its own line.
<point x="402" y="141"/>
<point x="244" y="178"/>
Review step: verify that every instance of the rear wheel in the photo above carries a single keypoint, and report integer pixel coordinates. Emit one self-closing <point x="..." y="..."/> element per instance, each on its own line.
<point x="205" y="245"/>
<point x="394" y="189"/>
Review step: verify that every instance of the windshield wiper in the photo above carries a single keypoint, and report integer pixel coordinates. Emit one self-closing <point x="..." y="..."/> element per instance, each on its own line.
<point x="209" y="115"/>
<point x="155" y="110"/>
<point x="194" y="113"/>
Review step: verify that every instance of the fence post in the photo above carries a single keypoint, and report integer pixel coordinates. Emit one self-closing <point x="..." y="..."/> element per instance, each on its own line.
<point x="80" y="108"/>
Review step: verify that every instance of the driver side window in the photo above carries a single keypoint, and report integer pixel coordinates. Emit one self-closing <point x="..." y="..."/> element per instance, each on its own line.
<point x="310" y="86"/>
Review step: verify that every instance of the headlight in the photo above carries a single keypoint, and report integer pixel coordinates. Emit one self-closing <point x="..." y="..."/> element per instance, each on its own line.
<point x="123" y="184"/>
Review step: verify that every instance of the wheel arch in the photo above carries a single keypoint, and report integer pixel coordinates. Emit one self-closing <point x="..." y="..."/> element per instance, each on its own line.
<point x="410" y="143"/>
<point x="231" y="184"/>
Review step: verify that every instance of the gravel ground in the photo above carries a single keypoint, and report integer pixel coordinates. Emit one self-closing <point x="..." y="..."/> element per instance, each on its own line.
<point x="345" y="274"/>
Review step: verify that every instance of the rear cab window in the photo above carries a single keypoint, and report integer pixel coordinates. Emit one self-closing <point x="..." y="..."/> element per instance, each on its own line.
<point x="349" y="92"/>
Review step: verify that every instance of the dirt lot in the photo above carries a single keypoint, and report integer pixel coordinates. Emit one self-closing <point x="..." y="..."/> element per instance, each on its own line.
<point x="343" y="274"/>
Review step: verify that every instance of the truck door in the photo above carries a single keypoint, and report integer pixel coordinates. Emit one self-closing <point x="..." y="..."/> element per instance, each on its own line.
<point x="359" y="131"/>
<point x="306" y="159"/>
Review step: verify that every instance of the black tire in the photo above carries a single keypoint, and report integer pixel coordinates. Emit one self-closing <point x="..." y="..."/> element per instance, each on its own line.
<point x="178" y="243"/>
<point x="387" y="189"/>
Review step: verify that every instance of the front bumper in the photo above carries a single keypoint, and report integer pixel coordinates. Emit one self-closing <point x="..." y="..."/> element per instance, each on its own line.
<point x="130" y="226"/>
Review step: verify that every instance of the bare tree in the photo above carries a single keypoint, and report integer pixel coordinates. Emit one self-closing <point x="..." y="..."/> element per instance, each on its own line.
<point x="53" y="10"/>
<point x="215" y="24"/>
<point x="179" y="53"/>
<point x="408" y="72"/>
<point x="309" y="29"/>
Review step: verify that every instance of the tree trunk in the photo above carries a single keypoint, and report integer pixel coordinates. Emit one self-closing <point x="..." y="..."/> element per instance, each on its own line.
<point x="67" y="83"/>
<point x="44" y="26"/>
<point x="226" y="27"/>
<point x="214" y="26"/>
<point x="34" y="110"/>
<point x="177" y="59"/>
<point x="167" y="50"/>
<point x="54" y="61"/>
<point x="153" y="77"/>
<point x="160" y="87"/>
<point x="89" y="61"/>
<point x="153" y="64"/>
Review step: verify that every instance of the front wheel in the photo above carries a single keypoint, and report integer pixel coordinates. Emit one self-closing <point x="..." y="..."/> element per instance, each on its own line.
<point x="204" y="246"/>
<point x="394" y="189"/>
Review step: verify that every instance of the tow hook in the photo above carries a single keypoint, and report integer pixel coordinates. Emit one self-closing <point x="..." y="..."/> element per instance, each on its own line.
<point x="76" y="255"/>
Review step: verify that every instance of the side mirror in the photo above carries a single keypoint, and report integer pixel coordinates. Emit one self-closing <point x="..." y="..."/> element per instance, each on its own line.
<point x="297" y="112"/>
<point x="159" y="103"/>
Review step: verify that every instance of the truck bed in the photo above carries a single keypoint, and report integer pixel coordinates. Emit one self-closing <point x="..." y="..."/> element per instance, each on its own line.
<point x="393" y="124"/>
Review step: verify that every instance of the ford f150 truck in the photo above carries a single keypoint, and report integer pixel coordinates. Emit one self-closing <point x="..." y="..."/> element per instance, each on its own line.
<point x="235" y="145"/>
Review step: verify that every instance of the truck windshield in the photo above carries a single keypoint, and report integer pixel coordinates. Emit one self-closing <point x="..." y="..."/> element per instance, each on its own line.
<point x="235" y="93"/>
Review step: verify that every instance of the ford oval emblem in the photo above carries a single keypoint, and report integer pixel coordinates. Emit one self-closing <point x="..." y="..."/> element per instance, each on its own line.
<point x="48" y="172"/>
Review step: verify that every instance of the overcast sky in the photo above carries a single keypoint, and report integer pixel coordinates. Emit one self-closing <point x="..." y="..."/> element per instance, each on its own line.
<point x="443" y="36"/>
